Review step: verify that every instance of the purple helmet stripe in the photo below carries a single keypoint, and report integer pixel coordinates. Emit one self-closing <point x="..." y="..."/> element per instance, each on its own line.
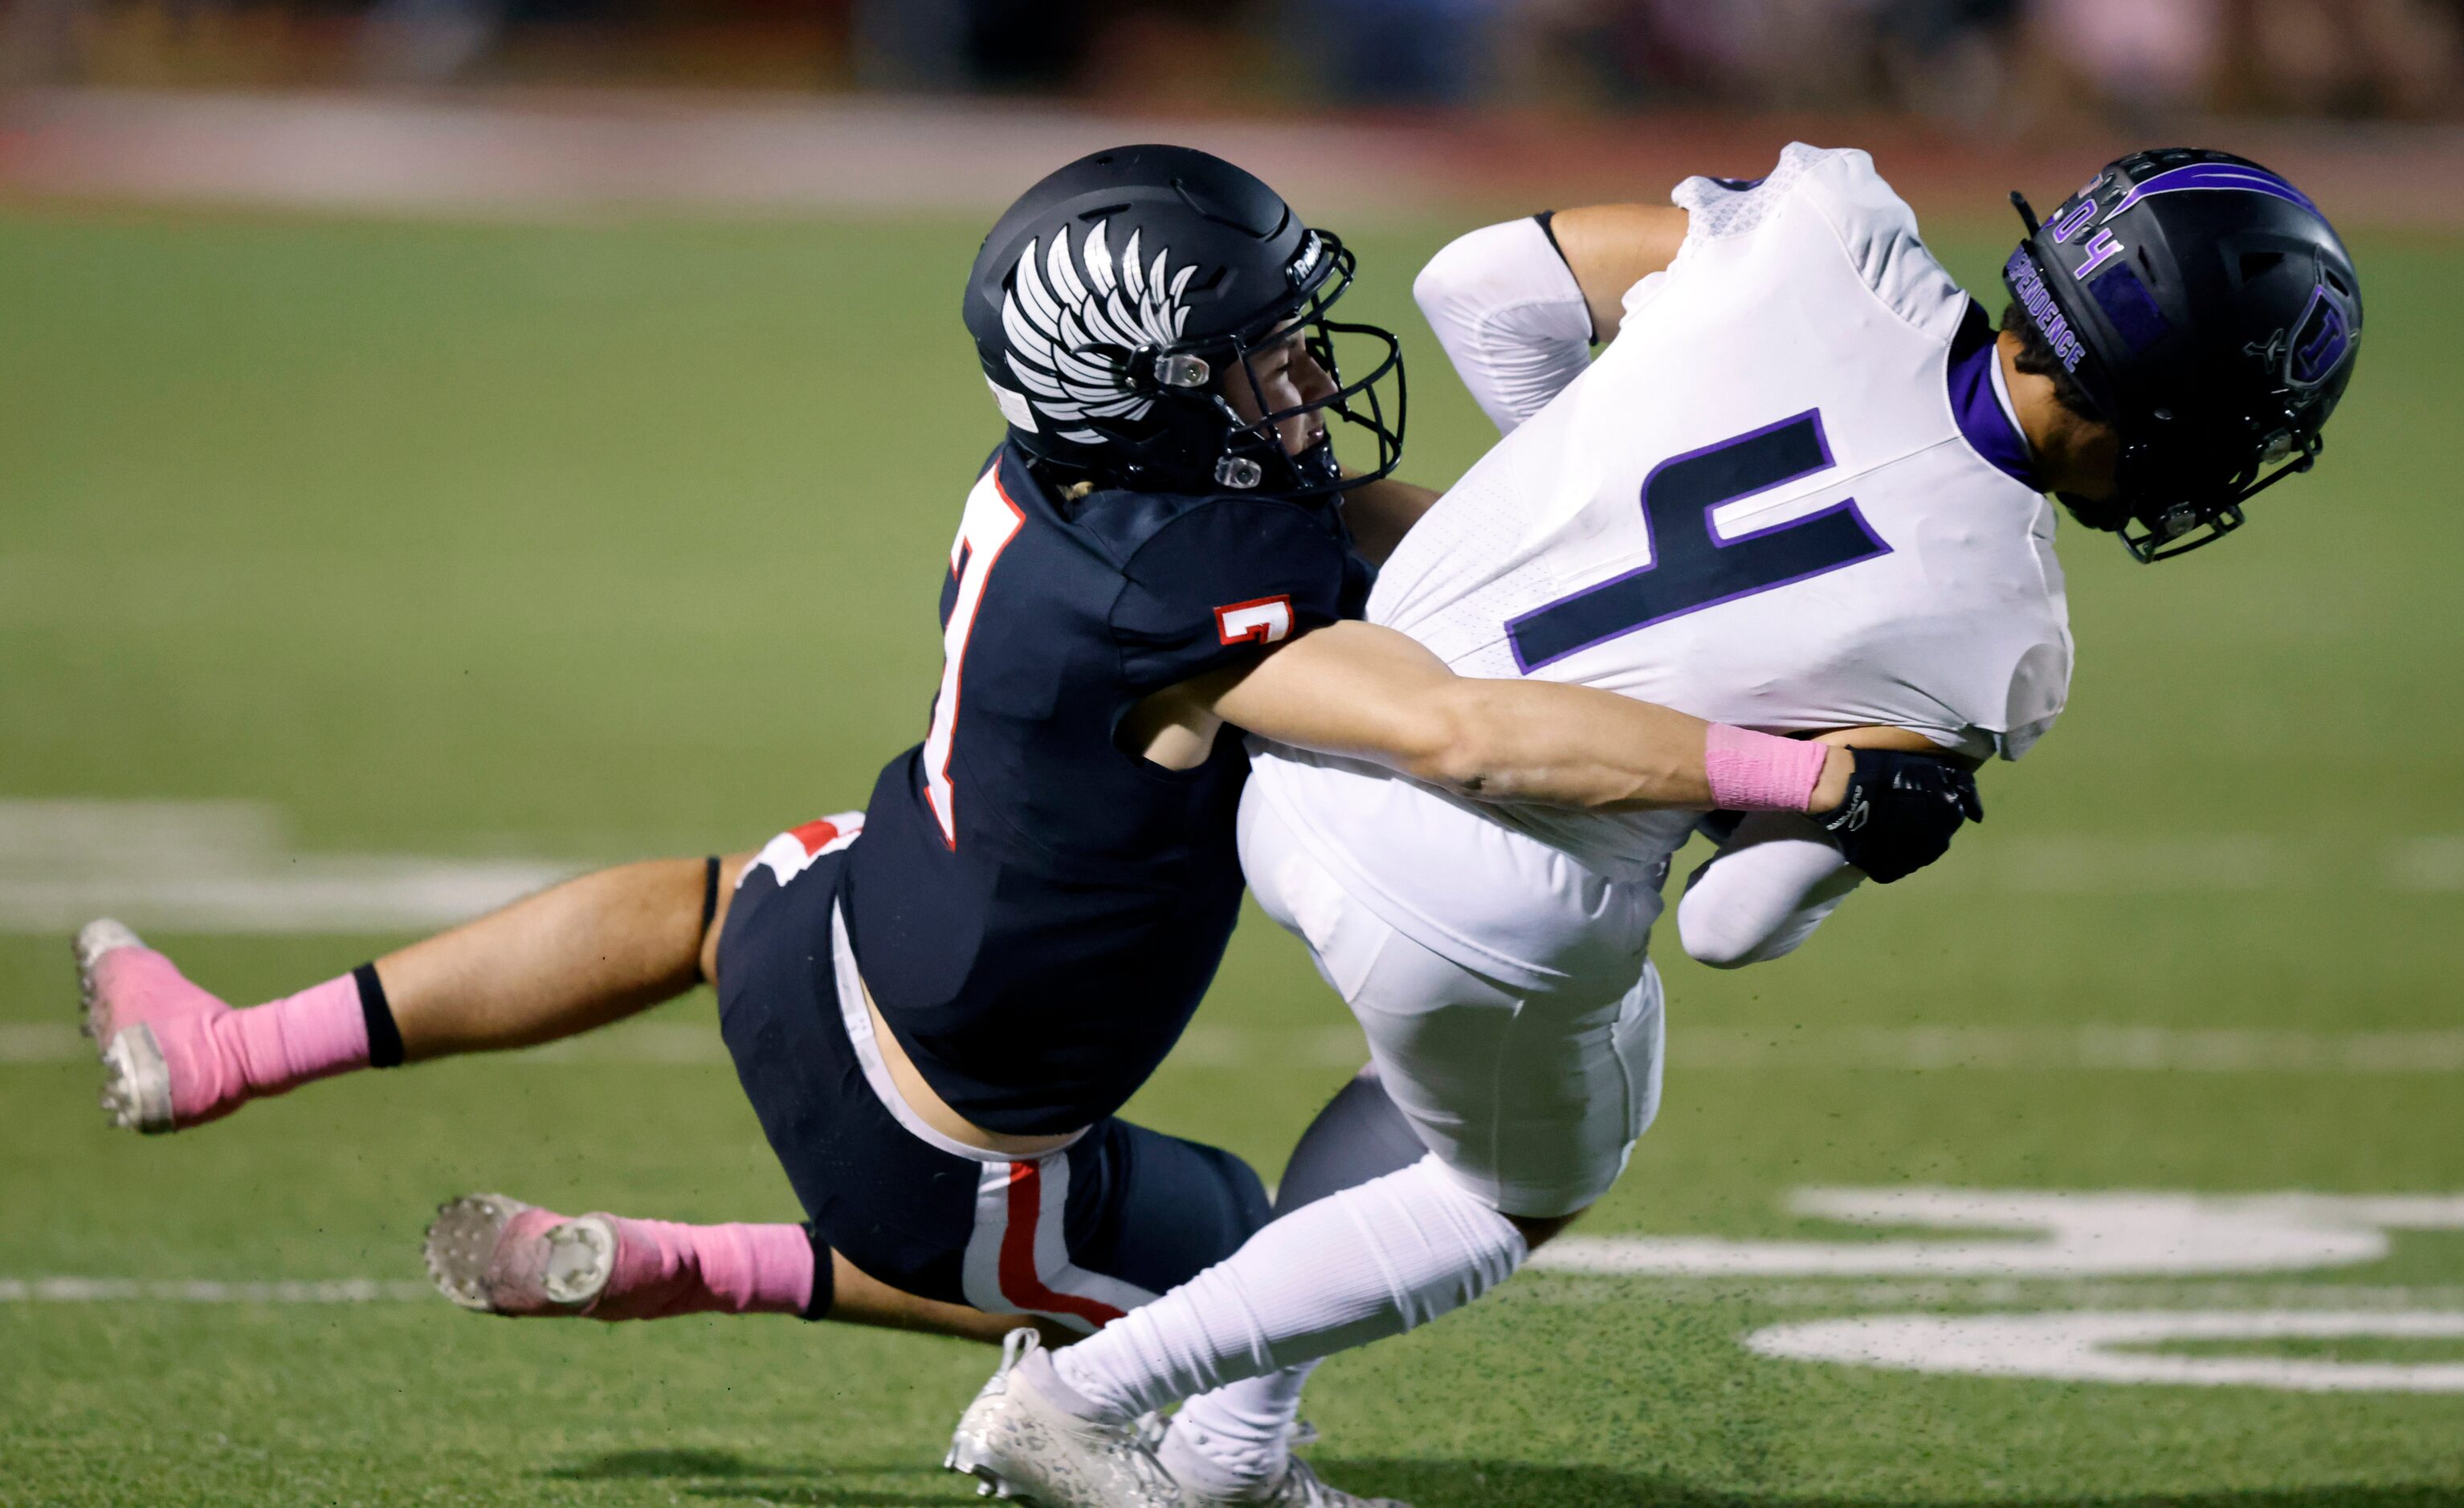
<point x="2215" y="175"/>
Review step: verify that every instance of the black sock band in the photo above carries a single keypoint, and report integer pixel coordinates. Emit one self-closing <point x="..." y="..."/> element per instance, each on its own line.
<point x="709" y="904"/>
<point x="825" y="1277"/>
<point x="385" y="1039"/>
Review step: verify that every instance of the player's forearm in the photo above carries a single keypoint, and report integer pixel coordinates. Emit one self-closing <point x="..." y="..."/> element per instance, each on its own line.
<point x="1610" y="248"/>
<point x="1369" y="692"/>
<point x="1540" y="742"/>
<point x="1554" y="745"/>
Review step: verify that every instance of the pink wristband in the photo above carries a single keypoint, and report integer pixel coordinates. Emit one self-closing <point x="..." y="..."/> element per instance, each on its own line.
<point x="1754" y="771"/>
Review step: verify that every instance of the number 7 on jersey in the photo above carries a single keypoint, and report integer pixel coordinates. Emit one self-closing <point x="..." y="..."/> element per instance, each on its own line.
<point x="985" y="529"/>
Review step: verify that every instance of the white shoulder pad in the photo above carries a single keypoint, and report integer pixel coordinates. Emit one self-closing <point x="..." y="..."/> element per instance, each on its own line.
<point x="1873" y="226"/>
<point x="1725" y="206"/>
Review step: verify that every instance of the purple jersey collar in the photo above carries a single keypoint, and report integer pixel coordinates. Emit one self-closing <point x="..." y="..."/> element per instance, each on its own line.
<point x="1977" y="404"/>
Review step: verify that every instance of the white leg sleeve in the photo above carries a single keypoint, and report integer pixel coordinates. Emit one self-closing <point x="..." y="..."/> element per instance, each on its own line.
<point x="1355" y="1267"/>
<point x="1235" y="1441"/>
<point x="1510" y="316"/>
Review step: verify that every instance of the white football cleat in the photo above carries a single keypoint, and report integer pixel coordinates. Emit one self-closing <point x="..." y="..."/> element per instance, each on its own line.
<point x="95" y="939"/>
<point x="495" y="1255"/>
<point x="1299" y="1487"/>
<point x="1022" y="1446"/>
<point x="137" y="1082"/>
<point x="132" y="1001"/>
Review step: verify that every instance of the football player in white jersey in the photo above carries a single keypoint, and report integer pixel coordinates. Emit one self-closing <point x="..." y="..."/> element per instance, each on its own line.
<point x="1801" y="490"/>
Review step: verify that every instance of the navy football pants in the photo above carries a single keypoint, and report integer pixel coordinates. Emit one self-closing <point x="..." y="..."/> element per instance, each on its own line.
<point x="1077" y="1235"/>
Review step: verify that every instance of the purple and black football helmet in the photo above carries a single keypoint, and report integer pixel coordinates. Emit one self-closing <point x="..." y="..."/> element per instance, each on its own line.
<point x="2210" y="314"/>
<point x="1109" y="299"/>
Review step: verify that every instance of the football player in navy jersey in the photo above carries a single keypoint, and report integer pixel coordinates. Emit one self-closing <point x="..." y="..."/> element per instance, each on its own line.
<point x="937" y="1004"/>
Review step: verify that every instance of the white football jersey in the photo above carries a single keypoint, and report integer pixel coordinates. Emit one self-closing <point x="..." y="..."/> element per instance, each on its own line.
<point x="1757" y="506"/>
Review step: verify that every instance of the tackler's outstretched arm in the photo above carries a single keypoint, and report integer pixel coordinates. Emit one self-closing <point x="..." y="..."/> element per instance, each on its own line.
<point x="1370" y="692"/>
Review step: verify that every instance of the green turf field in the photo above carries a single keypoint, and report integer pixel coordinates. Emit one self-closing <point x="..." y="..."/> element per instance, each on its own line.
<point x="586" y="543"/>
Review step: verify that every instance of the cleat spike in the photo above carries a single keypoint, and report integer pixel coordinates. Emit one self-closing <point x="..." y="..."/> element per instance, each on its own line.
<point x="458" y="1243"/>
<point x="137" y="1082"/>
<point x="495" y="1255"/>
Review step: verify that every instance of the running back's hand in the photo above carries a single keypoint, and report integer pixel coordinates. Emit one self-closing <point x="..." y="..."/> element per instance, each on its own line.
<point x="1901" y="811"/>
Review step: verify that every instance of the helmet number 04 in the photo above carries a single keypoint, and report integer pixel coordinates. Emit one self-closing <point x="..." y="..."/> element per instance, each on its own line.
<point x="1693" y="564"/>
<point x="985" y="530"/>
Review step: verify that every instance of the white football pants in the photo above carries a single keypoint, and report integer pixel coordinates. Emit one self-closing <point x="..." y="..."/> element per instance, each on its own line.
<point x="1531" y="1100"/>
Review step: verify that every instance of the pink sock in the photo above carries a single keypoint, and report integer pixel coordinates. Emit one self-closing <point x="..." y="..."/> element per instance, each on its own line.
<point x="284" y="1043"/>
<point x="665" y="1269"/>
<point x="221" y="1058"/>
<point x="1754" y="771"/>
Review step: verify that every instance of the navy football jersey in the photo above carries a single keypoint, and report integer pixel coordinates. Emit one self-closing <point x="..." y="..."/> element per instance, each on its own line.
<point x="1036" y="909"/>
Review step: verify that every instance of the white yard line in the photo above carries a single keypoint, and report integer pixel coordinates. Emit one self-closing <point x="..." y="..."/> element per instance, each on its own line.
<point x="1926" y="1049"/>
<point x="136" y="1290"/>
<point x="1706" y="1291"/>
<point x="2120" y="1048"/>
<point x="2427" y="863"/>
<point x="230" y="867"/>
<point x="314" y="896"/>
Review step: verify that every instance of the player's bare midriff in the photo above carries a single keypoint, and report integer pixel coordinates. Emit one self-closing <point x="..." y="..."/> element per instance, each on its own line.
<point x="933" y="1111"/>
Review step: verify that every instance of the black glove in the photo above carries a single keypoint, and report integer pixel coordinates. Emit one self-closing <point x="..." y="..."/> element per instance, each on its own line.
<point x="1900" y="813"/>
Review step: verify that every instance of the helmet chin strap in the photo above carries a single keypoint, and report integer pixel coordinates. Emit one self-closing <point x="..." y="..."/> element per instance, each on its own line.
<point x="1316" y="465"/>
<point x="2108" y="515"/>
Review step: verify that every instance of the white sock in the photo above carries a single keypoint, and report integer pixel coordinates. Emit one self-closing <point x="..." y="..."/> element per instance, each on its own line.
<point x="1236" y="1441"/>
<point x="1355" y="1267"/>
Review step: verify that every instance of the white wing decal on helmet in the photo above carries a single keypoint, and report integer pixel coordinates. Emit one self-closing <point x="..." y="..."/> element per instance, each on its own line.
<point x="1056" y="321"/>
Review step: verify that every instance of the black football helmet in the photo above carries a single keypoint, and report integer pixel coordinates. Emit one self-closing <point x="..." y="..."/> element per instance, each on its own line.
<point x="2211" y="316"/>
<point x="1107" y="301"/>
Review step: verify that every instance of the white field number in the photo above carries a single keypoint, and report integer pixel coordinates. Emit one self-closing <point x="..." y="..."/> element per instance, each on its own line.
<point x="2039" y="1235"/>
<point x="2125" y="1346"/>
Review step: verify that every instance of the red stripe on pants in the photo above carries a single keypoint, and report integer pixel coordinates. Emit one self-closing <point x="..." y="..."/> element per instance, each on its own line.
<point x="1020" y="1282"/>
